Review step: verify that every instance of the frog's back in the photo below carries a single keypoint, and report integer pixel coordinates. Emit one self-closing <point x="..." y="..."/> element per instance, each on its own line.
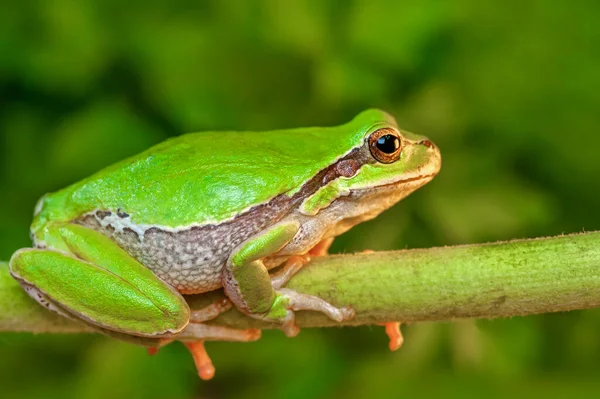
<point x="204" y="178"/>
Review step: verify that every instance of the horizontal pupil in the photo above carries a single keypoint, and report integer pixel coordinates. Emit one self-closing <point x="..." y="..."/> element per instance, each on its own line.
<point x="388" y="144"/>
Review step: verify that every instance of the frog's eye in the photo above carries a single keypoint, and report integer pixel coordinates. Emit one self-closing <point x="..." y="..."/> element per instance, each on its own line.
<point x="385" y="145"/>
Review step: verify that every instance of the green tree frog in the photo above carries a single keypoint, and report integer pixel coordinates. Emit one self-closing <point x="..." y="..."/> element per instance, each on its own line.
<point x="202" y="211"/>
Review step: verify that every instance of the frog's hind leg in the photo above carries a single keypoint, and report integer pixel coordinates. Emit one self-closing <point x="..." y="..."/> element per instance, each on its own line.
<point x="91" y="279"/>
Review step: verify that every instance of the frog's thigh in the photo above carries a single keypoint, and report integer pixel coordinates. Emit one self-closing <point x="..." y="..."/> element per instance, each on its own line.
<point x="247" y="281"/>
<point x="99" y="283"/>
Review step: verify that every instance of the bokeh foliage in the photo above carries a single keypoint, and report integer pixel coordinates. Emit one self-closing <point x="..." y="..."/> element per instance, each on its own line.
<point x="507" y="89"/>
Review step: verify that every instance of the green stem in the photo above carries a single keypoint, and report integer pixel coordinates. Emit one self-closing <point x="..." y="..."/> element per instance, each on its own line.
<point x="493" y="280"/>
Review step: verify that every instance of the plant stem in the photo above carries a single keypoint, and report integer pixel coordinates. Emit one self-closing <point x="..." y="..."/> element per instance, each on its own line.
<point x="512" y="278"/>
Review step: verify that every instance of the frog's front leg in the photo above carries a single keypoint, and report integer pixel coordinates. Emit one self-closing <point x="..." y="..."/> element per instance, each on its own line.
<point x="249" y="286"/>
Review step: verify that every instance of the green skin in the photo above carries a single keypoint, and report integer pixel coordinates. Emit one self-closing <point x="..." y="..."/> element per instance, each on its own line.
<point x="211" y="178"/>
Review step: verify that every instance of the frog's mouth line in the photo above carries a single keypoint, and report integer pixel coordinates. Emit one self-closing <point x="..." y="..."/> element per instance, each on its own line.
<point x="410" y="180"/>
<point x="393" y="186"/>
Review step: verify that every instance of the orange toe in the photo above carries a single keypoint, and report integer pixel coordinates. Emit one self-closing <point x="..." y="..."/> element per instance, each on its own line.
<point x="152" y="351"/>
<point x="392" y="329"/>
<point x="204" y="365"/>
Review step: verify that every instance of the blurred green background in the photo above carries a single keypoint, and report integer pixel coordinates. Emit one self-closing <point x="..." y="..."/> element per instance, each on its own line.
<point x="508" y="89"/>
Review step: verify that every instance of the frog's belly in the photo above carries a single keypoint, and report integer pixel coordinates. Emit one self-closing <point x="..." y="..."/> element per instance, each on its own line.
<point x="191" y="260"/>
<point x="182" y="260"/>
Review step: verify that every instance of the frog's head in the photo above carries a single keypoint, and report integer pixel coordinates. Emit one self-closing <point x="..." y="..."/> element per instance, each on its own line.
<point x="386" y="165"/>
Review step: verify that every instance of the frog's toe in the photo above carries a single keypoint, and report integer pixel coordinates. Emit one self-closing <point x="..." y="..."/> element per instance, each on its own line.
<point x="289" y="327"/>
<point x="298" y="301"/>
<point x="204" y="365"/>
<point x="392" y="329"/>
<point x="194" y="336"/>
<point x="347" y="313"/>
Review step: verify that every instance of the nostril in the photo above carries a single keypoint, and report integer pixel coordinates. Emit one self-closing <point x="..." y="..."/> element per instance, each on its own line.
<point x="427" y="143"/>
